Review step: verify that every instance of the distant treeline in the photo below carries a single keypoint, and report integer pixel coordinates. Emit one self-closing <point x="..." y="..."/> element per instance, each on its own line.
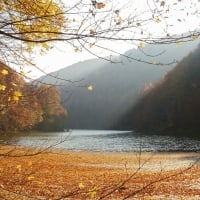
<point x="173" y="104"/>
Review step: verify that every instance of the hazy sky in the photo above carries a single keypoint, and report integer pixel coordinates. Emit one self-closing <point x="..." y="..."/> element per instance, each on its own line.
<point x="64" y="55"/>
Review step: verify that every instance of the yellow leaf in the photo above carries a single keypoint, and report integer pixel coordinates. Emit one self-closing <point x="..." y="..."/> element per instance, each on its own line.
<point x="45" y="46"/>
<point x="4" y="72"/>
<point x="154" y="62"/>
<point x="91" y="45"/>
<point x="194" y="37"/>
<point x="76" y="49"/>
<point x="100" y="5"/>
<point x="93" y="192"/>
<point x="157" y="20"/>
<point x="22" y="73"/>
<point x="30" y="178"/>
<point x="2" y="87"/>
<point x="19" y="168"/>
<point x="17" y="95"/>
<point x="81" y="185"/>
<point x="162" y="3"/>
<point x="92" y="32"/>
<point x="179" y="43"/>
<point x="15" y="98"/>
<point x="119" y="20"/>
<point x="90" y="87"/>
<point x="1" y="170"/>
<point x="52" y="12"/>
<point x="142" y="44"/>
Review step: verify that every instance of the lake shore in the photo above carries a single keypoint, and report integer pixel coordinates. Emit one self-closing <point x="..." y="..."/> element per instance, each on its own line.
<point x="54" y="174"/>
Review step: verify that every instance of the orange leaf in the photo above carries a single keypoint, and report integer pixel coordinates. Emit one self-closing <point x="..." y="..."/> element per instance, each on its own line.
<point x="100" y="5"/>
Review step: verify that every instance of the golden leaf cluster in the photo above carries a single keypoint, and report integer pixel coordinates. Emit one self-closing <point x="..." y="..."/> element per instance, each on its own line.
<point x="35" y="20"/>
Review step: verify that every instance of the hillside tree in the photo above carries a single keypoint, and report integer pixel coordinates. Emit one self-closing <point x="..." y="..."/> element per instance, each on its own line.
<point x="19" y="108"/>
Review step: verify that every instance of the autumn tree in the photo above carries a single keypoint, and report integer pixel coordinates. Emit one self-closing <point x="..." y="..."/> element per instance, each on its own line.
<point x="19" y="108"/>
<point x="24" y="105"/>
<point x="54" y="114"/>
<point x="172" y="104"/>
<point x="26" y="24"/>
<point x="28" y="27"/>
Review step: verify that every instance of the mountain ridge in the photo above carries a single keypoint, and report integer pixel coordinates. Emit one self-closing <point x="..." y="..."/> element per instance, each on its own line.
<point x="173" y="104"/>
<point x="116" y="87"/>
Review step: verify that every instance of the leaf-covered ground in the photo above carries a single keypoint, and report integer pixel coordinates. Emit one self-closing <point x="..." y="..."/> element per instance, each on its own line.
<point x="27" y="174"/>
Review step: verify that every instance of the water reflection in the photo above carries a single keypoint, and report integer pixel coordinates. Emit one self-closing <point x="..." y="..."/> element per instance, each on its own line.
<point x="94" y="140"/>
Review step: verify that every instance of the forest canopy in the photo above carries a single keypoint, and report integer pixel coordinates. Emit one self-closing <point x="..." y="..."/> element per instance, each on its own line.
<point x="173" y="103"/>
<point x="22" y="105"/>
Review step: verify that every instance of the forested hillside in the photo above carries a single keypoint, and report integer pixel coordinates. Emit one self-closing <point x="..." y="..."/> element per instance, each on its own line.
<point x="174" y="103"/>
<point x="116" y="86"/>
<point x="23" y="106"/>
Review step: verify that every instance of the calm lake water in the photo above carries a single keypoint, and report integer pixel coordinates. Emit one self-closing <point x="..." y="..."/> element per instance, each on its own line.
<point x="95" y="140"/>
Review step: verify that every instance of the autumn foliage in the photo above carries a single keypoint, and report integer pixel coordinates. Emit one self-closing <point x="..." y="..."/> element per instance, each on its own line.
<point x="22" y="105"/>
<point x="33" y="23"/>
<point x="54" y="114"/>
<point x="60" y="175"/>
<point x="173" y="103"/>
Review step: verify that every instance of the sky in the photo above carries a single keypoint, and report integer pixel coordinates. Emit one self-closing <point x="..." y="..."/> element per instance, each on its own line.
<point x="63" y="55"/>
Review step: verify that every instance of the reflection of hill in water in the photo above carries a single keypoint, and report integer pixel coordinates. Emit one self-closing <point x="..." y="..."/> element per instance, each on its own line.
<point x="116" y="86"/>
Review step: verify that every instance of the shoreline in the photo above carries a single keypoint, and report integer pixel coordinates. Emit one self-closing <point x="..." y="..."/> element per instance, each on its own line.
<point x="52" y="173"/>
<point x="152" y="161"/>
<point x="63" y="150"/>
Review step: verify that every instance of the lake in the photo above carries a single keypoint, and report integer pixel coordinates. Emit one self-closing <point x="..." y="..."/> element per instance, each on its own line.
<point x="103" y="140"/>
